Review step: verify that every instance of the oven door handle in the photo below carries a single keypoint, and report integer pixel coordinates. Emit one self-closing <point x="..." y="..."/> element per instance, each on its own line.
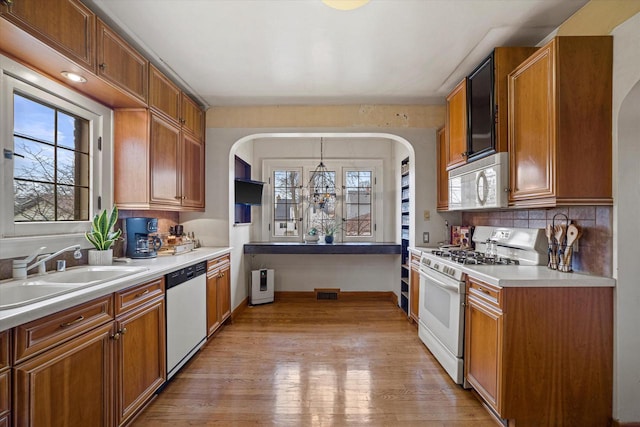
<point x="439" y="282"/>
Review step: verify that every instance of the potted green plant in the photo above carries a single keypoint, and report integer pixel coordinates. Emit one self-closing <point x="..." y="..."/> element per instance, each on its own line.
<point x="311" y="236"/>
<point x="102" y="237"/>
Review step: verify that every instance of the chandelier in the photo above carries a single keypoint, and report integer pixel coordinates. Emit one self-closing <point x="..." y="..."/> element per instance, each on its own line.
<point x="321" y="186"/>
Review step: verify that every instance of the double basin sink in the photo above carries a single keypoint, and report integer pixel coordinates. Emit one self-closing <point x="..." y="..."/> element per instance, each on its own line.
<point x="17" y="293"/>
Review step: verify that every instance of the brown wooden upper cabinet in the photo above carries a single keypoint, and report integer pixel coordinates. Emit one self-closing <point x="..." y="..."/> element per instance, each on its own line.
<point x="156" y="164"/>
<point x="560" y="124"/>
<point x="69" y="27"/>
<point x="192" y="117"/>
<point x="443" y="176"/>
<point x="120" y="64"/>
<point x="167" y="99"/>
<point x="456" y="124"/>
<point x="164" y="96"/>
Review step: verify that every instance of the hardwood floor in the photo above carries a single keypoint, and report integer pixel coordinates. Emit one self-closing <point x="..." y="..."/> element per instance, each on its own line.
<point x="301" y="362"/>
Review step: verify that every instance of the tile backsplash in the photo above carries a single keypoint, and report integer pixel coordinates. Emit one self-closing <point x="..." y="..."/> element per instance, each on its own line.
<point x="595" y="249"/>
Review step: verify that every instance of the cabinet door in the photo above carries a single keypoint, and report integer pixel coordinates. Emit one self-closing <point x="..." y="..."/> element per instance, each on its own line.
<point x="120" y="64"/>
<point x="69" y="385"/>
<point x="192" y="117"/>
<point x="224" y="294"/>
<point x="443" y="176"/>
<point x="213" y="320"/>
<point x="5" y="392"/>
<point x="192" y="172"/>
<point x="531" y="127"/>
<point x="66" y="25"/>
<point x="140" y="357"/>
<point x="164" y="95"/>
<point x="414" y="299"/>
<point x="456" y="124"/>
<point x="165" y="162"/>
<point x="483" y="353"/>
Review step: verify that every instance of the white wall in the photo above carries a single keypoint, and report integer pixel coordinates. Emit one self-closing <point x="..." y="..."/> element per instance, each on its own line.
<point x="626" y="140"/>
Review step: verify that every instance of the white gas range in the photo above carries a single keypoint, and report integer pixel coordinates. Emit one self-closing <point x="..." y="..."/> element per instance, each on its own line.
<point x="443" y="284"/>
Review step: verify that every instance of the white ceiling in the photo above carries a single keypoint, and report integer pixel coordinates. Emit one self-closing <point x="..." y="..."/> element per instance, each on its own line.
<point x="257" y="52"/>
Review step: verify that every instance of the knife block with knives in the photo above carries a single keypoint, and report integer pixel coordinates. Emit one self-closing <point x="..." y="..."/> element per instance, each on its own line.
<point x="561" y="237"/>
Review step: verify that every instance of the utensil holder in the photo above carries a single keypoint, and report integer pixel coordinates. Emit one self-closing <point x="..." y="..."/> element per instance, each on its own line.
<point x="558" y="257"/>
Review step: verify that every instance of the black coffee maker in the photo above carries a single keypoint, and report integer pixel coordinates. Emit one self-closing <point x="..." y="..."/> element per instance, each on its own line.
<point x="142" y="239"/>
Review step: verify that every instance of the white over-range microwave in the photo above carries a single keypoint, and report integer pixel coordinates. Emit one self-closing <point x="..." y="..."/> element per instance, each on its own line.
<point x="482" y="184"/>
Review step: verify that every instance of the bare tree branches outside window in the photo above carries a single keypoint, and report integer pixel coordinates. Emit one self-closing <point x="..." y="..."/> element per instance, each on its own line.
<point x="51" y="163"/>
<point x="357" y="200"/>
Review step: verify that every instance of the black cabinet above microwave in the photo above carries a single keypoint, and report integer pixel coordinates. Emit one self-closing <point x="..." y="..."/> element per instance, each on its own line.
<point x="481" y="112"/>
<point x="487" y="101"/>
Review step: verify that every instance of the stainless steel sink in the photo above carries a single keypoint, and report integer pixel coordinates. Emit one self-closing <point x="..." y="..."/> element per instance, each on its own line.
<point x="17" y="293"/>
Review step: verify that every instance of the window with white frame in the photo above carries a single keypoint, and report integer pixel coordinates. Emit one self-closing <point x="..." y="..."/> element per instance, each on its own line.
<point x="350" y="203"/>
<point x="286" y="203"/>
<point x="358" y="203"/>
<point x="57" y="157"/>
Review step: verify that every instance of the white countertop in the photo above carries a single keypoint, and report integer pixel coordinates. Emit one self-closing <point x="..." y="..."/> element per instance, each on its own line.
<point x="156" y="267"/>
<point x="529" y="276"/>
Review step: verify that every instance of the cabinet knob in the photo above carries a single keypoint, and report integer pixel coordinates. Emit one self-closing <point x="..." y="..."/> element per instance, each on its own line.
<point x="507" y="190"/>
<point x="7" y="2"/>
<point x="115" y="336"/>
<point x="103" y="66"/>
<point x="122" y="331"/>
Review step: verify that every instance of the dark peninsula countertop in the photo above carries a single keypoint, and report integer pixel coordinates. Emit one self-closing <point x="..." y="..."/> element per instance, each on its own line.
<point x="354" y="248"/>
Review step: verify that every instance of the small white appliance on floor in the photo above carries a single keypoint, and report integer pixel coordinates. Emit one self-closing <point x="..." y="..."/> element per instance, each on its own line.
<point x="262" y="286"/>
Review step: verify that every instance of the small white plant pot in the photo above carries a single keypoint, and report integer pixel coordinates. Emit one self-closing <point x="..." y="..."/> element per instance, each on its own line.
<point x="97" y="257"/>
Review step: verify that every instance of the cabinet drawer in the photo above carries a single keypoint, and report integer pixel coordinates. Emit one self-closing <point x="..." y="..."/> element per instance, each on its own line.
<point x="135" y="296"/>
<point x="485" y="292"/>
<point x="218" y="263"/>
<point x="35" y="337"/>
<point x="5" y="404"/>
<point x="5" y="338"/>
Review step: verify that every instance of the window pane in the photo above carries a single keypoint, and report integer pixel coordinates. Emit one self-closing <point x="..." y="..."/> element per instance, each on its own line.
<point x="72" y="202"/>
<point x="286" y="206"/>
<point x="73" y="168"/>
<point x="51" y="164"/>
<point x="33" y="119"/>
<point x="358" y="203"/>
<point x="73" y="132"/>
<point x="33" y="201"/>
<point x="33" y="160"/>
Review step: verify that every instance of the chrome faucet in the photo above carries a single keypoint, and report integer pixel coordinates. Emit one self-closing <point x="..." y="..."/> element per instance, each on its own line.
<point x="21" y="266"/>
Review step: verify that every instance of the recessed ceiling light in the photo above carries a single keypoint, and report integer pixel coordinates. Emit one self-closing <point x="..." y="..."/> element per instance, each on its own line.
<point x="345" y="4"/>
<point x="73" y="77"/>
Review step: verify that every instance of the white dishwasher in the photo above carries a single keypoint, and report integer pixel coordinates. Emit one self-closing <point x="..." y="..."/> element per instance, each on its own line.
<point x="186" y="301"/>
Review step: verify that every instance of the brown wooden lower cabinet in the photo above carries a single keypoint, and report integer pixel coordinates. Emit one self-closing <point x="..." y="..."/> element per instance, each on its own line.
<point x="5" y="392"/>
<point x="414" y="287"/>
<point x="100" y="373"/>
<point x="141" y="366"/>
<point x="541" y="356"/>
<point x="69" y="385"/>
<point x="218" y="292"/>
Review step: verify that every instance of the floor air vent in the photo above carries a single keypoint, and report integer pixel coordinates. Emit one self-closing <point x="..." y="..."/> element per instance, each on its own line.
<point x="327" y="294"/>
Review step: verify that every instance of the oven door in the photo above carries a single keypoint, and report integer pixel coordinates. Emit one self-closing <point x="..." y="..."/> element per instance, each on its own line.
<point x="441" y="309"/>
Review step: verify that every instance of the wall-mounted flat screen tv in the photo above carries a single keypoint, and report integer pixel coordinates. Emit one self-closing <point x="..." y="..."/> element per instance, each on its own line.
<point x="248" y="192"/>
<point x="481" y="110"/>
